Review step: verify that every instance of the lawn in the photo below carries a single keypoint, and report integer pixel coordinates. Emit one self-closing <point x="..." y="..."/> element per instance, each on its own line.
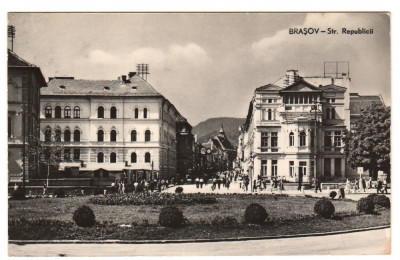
<point x="287" y="215"/>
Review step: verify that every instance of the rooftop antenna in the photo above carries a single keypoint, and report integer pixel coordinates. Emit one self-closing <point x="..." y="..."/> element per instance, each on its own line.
<point x="336" y="69"/>
<point x="143" y="70"/>
<point x="11" y="34"/>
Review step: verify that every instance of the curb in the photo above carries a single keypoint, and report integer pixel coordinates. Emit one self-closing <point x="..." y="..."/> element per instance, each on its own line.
<point x="24" y="242"/>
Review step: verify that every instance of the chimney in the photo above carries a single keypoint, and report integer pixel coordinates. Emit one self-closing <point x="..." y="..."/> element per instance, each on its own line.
<point x="292" y="76"/>
<point x="131" y="74"/>
<point x="123" y="78"/>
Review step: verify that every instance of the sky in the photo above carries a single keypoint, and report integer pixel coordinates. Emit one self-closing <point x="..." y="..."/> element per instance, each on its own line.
<point x="206" y="64"/>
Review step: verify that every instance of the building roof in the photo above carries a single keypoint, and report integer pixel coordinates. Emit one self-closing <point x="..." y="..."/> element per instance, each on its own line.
<point x="357" y="102"/>
<point x="333" y="88"/>
<point x="136" y="86"/>
<point x="269" y="87"/>
<point x="15" y="61"/>
<point x="301" y="86"/>
<point x="224" y="143"/>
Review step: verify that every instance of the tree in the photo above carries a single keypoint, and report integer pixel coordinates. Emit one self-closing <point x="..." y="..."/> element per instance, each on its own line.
<point x="367" y="144"/>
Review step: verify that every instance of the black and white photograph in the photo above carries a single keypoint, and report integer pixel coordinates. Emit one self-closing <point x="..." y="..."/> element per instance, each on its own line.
<point x="199" y="133"/>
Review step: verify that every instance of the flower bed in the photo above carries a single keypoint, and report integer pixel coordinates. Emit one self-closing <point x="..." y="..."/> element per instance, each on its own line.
<point x="153" y="199"/>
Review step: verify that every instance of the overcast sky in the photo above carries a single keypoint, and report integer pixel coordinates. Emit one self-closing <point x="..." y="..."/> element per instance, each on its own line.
<point x="207" y="65"/>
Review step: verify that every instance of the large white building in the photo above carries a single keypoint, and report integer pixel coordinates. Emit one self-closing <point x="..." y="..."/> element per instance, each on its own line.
<point x="110" y="127"/>
<point x="294" y="129"/>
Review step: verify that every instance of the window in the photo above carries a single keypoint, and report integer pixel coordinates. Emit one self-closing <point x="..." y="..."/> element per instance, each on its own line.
<point x="77" y="154"/>
<point x="274" y="139"/>
<point x="302" y="138"/>
<point x="100" y="112"/>
<point x="328" y="139"/>
<point x="264" y="139"/>
<point x="328" y="113"/>
<point x="145" y="113"/>
<point x="100" y="157"/>
<point x="77" y="136"/>
<point x="291" y="168"/>
<point x="47" y="135"/>
<point x="47" y="112"/>
<point x="338" y="139"/>
<point x="274" y="168"/>
<point x="147" y="158"/>
<point x="333" y="100"/>
<point x="147" y="136"/>
<point x="100" y="136"/>
<point x="113" y="158"/>
<point x="133" y="158"/>
<point x="67" y="112"/>
<point x="264" y="167"/>
<point x="67" y="136"/>
<point x="113" y="136"/>
<point x="312" y="138"/>
<point x="9" y="127"/>
<point x="57" y="136"/>
<point x="113" y="112"/>
<point x="136" y="113"/>
<point x="269" y="114"/>
<point x="333" y="113"/>
<point x="291" y="139"/>
<point x="67" y="154"/>
<point x="133" y="136"/>
<point x="77" y="112"/>
<point x="57" y="111"/>
<point x="269" y="100"/>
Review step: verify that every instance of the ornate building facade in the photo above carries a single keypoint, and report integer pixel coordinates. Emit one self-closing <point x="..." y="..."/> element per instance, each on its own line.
<point x="294" y="129"/>
<point x="111" y="127"/>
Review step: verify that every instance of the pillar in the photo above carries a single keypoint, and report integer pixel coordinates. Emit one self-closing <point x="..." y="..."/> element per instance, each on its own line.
<point x="332" y="167"/>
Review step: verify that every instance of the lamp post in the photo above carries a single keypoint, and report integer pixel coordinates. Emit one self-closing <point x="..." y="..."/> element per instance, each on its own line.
<point x="315" y="109"/>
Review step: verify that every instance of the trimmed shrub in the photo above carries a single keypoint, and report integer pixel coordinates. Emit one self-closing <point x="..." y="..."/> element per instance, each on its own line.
<point x="332" y="194"/>
<point x="170" y="217"/>
<point x="18" y="194"/>
<point x="255" y="214"/>
<point x="224" y="221"/>
<point x="178" y="190"/>
<point x="372" y="196"/>
<point x="59" y="193"/>
<point x="366" y="205"/>
<point x="324" y="208"/>
<point x="84" y="217"/>
<point x="381" y="201"/>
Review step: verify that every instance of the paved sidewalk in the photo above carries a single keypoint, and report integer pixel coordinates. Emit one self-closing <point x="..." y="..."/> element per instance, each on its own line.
<point x="235" y="188"/>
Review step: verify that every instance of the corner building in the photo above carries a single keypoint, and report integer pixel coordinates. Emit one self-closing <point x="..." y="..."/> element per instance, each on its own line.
<point x="294" y="129"/>
<point x="110" y="128"/>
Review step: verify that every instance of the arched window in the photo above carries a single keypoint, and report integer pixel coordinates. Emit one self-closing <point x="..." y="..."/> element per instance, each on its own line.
<point x="57" y="136"/>
<point x="328" y="113"/>
<point x="67" y="112"/>
<point x="136" y="112"/>
<point x="67" y="136"/>
<point x="100" y="136"/>
<point x="57" y="111"/>
<point x="147" y="136"/>
<point x="77" y="112"/>
<point x="100" y="112"/>
<point x="113" y="158"/>
<point x="113" y="136"/>
<point x="291" y="139"/>
<point x="302" y="138"/>
<point x="113" y="112"/>
<point x="333" y="113"/>
<point x="77" y="136"/>
<point x="145" y="113"/>
<point x="147" y="158"/>
<point x="269" y="114"/>
<point x="133" y="158"/>
<point x="133" y="136"/>
<point x="100" y="157"/>
<point x="47" y="112"/>
<point x="47" y="135"/>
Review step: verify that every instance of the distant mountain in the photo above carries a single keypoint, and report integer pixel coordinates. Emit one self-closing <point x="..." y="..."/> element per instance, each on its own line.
<point x="210" y="128"/>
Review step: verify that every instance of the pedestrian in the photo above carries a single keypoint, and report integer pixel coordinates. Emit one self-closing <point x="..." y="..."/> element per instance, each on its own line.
<point x="246" y="183"/>
<point x="300" y="182"/>
<point x="228" y="183"/>
<point x="379" y="186"/>
<point x="363" y="184"/>
<point x="123" y="188"/>
<point x="197" y="181"/>
<point x="201" y="182"/>
<point x="254" y="185"/>
<point x="282" y="187"/>
<point x="348" y="186"/>
<point x="385" y="186"/>
<point x="370" y="183"/>
<point x="44" y="188"/>
<point x="214" y="182"/>
<point x="159" y="186"/>
<point x="135" y="186"/>
<point x="342" y="193"/>
<point x="318" y="185"/>
<point x="219" y="183"/>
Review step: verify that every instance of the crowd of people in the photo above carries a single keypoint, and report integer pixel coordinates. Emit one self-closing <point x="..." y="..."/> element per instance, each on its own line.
<point x="146" y="186"/>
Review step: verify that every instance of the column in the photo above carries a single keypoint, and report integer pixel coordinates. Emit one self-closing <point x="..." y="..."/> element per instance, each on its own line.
<point x="343" y="168"/>
<point x="332" y="167"/>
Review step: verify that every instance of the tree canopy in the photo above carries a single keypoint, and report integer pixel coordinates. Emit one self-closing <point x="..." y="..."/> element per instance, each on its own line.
<point x="367" y="144"/>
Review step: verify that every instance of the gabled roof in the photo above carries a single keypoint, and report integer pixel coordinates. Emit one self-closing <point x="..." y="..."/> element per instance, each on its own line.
<point x="15" y="61"/>
<point x="333" y="88"/>
<point x="301" y="86"/>
<point x="79" y="87"/>
<point x="224" y="143"/>
<point x="269" y="87"/>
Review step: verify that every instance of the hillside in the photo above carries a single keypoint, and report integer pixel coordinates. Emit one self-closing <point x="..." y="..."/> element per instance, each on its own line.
<point x="209" y="128"/>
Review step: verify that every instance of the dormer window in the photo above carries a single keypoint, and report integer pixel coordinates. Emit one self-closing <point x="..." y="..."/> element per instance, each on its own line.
<point x="106" y="88"/>
<point x="134" y="87"/>
<point x="62" y="87"/>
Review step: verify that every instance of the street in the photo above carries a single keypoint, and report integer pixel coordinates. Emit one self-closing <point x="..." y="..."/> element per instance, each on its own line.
<point x="376" y="242"/>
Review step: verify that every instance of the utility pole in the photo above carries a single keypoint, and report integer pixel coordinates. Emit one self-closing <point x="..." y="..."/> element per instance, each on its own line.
<point x="11" y="34"/>
<point x="315" y="142"/>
